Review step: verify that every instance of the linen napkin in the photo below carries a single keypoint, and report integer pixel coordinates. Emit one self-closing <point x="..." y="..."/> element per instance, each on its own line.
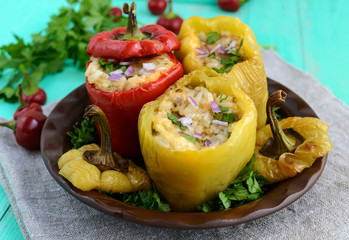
<point x="45" y="211"/>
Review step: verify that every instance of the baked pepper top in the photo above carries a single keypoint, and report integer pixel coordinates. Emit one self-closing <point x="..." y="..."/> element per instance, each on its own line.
<point x="123" y="43"/>
<point x="93" y="167"/>
<point x="189" y="175"/>
<point x="224" y="46"/>
<point x="286" y="148"/>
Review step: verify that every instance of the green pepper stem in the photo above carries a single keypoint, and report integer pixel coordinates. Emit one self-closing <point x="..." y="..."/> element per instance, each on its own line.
<point x="170" y="14"/>
<point x="281" y="142"/>
<point x="132" y="31"/>
<point x="10" y="125"/>
<point x="22" y="104"/>
<point x="104" y="158"/>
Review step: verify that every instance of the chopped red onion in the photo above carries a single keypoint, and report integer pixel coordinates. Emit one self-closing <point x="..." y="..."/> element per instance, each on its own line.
<point x="115" y="77"/>
<point x="215" y="48"/>
<point x="223" y="49"/>
<point x="208" y="49"/>
<point x="118" y="71"/>
<point x="124" y="63"/>
<point x="217" y="122"/>
<point x="232" y="45"/>
<point x="201" y="51"/>
<point x="111" y="60"/>
<point x="207" y="143"/>
<point x="129" y="70"/>
<point x="182" y="133"/>
<point x="186" y="121"/>
<point x="197" y="135"/>
<point x="141" y="71"/>
<point x="202" y="55"/>
<point x="215" y="107"/>
<point x="149" y="66"/>
<point x="192" y="101"/>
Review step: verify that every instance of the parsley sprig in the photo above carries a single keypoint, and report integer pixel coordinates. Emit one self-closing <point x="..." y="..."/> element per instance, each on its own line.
<point x="145" y="199"/>
<point x="84" y="132"/>
<point x="228" y="64"/>
<point x="245" y="188"/>
<point x="65" y="37"/>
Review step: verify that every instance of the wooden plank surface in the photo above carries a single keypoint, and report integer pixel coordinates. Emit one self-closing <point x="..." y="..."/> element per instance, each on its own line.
<point x="310" y="34"/>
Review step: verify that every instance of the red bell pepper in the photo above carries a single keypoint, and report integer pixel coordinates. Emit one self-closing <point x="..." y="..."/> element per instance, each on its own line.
<point x="122" y="108"/>
<point x="123" y="43"/>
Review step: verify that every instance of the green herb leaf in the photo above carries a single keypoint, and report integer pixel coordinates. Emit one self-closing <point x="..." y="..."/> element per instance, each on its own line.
<point x="66" y="37"/>
<point x="245" y="188"/>
<point x="221" y="98"/>
<point x="145" y="199"/>
<point x="84" y="132"/>
<point x="212" y="37"/>
<point x="189" y="138"/>
<point x="277" y="115"/>
<point x="175" y="120"/>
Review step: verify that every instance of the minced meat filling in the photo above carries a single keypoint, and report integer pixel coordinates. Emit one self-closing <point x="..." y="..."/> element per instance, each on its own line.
<point x="193" y="118"/>
<point x="123" y="76"/>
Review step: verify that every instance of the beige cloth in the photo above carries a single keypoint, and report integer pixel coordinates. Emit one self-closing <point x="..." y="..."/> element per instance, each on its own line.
<point x="45" y="211"/>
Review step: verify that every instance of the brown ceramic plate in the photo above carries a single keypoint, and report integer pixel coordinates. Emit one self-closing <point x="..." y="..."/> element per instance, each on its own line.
<point x="54" y="142"/>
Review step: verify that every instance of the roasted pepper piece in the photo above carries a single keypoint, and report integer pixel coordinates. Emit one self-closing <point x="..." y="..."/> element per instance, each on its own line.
<point x="93" y="167"/>
<point x="285" y="148"/>
<point x="187" y="178"/>
<point x="248" y="74"/>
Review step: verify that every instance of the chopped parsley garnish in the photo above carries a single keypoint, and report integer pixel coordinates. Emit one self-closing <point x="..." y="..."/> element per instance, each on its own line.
<point x="108" y="66"/>
<point x="145" y="199"/>
<point x="221" y="98"/>
<point x="175" y="120"/>
<point x="229" y="63"/>
<point x="245" y="188"/>
<point x="212" y="37"/>
<point x="84" y="132"/>
<point x="224" y="116"/>
<point x="189" y="138"/>
<point x="212" y="55"/>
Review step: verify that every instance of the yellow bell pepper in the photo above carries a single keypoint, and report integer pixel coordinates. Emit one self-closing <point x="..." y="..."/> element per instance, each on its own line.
<point x="282" y="153"/>
<point x="86" y="176"/>
<point x="93" y="167"/>
<point x="249" y="74"/>
<point x="187" y="178"/>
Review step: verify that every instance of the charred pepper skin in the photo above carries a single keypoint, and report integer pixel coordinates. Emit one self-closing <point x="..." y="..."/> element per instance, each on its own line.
<point x="249" y="74"/>
<point x="187" y="178"/>
<point x="122" y="108"/>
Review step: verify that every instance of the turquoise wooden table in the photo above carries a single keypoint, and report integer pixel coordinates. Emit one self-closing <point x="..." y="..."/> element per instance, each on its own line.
<point x="310" y="34"/>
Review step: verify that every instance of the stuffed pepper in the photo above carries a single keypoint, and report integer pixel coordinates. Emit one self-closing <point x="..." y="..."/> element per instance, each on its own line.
<point x="286" y="148"/>
<point x="196" y="138"/>
<point x="129" y="67"/>
<point x="224" y="46"/>
<point x="98" y="167"/>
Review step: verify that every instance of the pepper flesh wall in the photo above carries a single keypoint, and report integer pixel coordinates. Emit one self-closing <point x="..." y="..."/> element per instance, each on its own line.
<point x="248" y="74"/>
<point x="187" y="178"/>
